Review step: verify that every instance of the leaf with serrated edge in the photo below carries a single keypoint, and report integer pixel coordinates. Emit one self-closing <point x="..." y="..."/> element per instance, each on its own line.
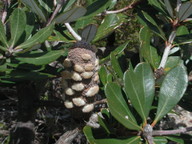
<point x="118" y="107"/>
<point x="140" y="88"/>
<point x="34" y="7"/>
<point x="171" y="91"/>
<point x="39" y="37"/>
<point x="70" y="15"/>
<point x="17" y="23"/>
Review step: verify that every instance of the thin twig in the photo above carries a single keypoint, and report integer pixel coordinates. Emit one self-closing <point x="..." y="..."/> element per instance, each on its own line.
<point x="68" y="137"/>
<point x="101" y="101"/>
<point x="58" y="7"/>
<point x="171" y="132"/>
<point x="71" y="30"/>
<point x="131" y="6"/>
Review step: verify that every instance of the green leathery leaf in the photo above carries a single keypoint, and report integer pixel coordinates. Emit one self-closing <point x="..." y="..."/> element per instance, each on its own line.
<point x="185" y="10"/>
<point x="147" y="20"/>
<point x="139" y="87"/>
<point x="35" y="8"/>
<point x="102" y="75"/>
<point x="44" y="59"/>
<point x="172" y="62"/>
<point x="90" y="137"/>
<point x="157" y="5"/>
<point x="118" y="107"/>
<point x="96" y="7"/>
<point x="117" y="51"/>
<point x="160" y="140"/>
<point x="3" y="38"/>
<point x="115" y="65"/>
<point x="171" y="91"/>
<point x="17" y="24"/>
<point x="68" y="4"/>
<point x="70" y="15"/>
<point x="89" y="32"/>
<point x="108" y="25"/>
<point x="169" y="8"/>
<point x="182" y="30"/>
<point x="39" y="37"/>
<point x="148" y="52"/>
<point x="176" y="139"/>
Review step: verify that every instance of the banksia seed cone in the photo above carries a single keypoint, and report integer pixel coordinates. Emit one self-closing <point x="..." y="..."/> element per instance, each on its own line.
<point x="80" y="79"/>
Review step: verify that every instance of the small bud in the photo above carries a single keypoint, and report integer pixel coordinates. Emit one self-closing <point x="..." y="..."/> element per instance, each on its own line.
<point x="76" y="77"/>
<point x="86" y="57"/>
<point x="69" y="91"/>
<point x="92" y="91"/>
<point x="89" y="67"/>
<point x="78" y="87"/>
<point x="78" y="68"/>
<point x="67" y="63"/>
<point x="88" y="108"/>
<point x="78" y="101"/>
<point x="68" y="104"/>
<point x="87" y="75"/>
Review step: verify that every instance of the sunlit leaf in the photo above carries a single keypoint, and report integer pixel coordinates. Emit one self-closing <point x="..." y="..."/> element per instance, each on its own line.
<point x="43" y="59"/>
<point x="109" y="24"/>
<point x="34" y="7"/>
<point x="139" y="87"/>
<point x="70" y="15"/>
<point x="17" y="23"/>
<point x="39" y="37"/>
<point x="118" y="107"/>
<point x="185" y="10"/>
<point x="171" y="91"/>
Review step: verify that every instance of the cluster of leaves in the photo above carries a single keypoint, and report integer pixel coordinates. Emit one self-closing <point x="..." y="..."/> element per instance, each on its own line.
<point x="144" y="95"/>
<point x="36" y="35"/>
<point x="30" y="35"/>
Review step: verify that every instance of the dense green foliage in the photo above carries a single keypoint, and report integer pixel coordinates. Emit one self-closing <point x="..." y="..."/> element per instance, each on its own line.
<point x="145" y="68"/>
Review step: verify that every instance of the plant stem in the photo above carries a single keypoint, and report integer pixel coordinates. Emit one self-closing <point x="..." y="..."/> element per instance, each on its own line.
<point x="132" y="5"/>
<point x="58" y="7"/>
<point x="171" y="132"/>
<point x="74" y="34"/>
<point x="165" y="56"/>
